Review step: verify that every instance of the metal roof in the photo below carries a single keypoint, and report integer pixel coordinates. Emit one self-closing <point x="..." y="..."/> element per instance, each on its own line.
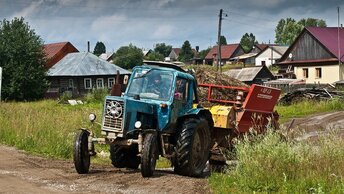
<point x="280" y="49"/>
<point x="244" y="74"/>
<point x="84" y="64"/>
<point x="328" y="36"/>
<point x="227" y="51"/>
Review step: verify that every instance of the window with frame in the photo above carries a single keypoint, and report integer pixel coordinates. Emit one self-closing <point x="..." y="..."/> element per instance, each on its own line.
<point x="88" y="83"/>
<point x="70" y="83"/>
<point x="100" y="83"/>
<point x="318" y="72"/>
<point x="111" y="82"/>
<point x="181" y="91"/>
<point x="305" y="72"/>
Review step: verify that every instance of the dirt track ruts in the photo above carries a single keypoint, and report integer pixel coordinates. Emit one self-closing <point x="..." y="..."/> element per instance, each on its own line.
<point x="24" y="173"/>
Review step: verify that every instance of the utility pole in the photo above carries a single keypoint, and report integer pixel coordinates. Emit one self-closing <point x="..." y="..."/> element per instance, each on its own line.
<point x="219" y="43"/>
<point x="0" y="81"/>
<point x="338" y="40"/>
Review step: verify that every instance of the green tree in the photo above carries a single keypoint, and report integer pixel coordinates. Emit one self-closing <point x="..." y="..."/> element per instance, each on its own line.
<point x="128" y="57"/>
<point x="203" y="53"/>
<point x="163" y="49"/>
<point x="247" y="42"/>
<point x="99" y="48"/>
<point x="223" y="40"/>
<point x="22" y="59"/>
<point x="155" y="56"/>
<point x="186" y="53"/>
<point x="288" y="29"/>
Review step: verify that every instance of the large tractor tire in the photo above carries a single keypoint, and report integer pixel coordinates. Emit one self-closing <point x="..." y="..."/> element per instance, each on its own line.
<point x="122" y="157"/>
<point x="81" y="154"/>
<point x="192" y="148"/>
<point x="118" y="156"/>
<point x="149" y="155"/>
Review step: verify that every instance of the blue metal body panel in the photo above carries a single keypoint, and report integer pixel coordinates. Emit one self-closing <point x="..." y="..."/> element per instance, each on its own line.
<point x="150" y="111"/>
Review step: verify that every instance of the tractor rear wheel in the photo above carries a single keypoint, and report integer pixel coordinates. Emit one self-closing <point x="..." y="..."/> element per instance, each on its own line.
<point x="149" y="155"/>
<point x="122" y="157"/>
<point x="192" y="148"/>
<point x="118" y="156"/>
<point x="81" y="155"/>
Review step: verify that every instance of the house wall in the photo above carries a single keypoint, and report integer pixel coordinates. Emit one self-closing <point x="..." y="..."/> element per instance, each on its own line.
<point x="173" y="55"/>
<point x="329" y="74"/>
<point x="266" y="56"/>
<point x="78" y="89"/>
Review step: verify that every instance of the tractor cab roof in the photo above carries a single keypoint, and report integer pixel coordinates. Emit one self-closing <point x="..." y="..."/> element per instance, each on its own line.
<point x="164" y="64"/>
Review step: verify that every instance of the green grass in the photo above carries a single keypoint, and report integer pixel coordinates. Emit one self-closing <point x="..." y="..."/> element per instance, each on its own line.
<point x="271" y="164"/>
<point x="305" y="108"/>
<point x="45" y="127"/>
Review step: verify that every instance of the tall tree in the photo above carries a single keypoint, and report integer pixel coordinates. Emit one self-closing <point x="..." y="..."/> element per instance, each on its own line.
<point x="203" y="53"/>
<point x="155" y="56"/>
<point x="223" y="40"/>
<point x="186" y="53"/>
<point x="99" y="48"/>
<point x="128" y="57"/>
<point x="163" y="49"/>
<point x="22" y="59"/>
<point x="288" y="29"/>
<point x="247" y="42"/>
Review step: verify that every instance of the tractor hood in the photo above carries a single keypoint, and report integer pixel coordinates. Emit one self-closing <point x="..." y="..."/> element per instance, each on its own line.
<point x="126" y="111"/>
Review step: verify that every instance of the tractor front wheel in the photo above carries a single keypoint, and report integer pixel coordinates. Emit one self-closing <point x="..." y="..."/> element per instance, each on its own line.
<point x="192" y="148"/>
<point x="149" y="155"/>
<point x="81" y="155"/>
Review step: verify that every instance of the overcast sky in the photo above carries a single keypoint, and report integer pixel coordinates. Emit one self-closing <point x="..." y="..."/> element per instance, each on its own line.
<point x="147" y="22"/>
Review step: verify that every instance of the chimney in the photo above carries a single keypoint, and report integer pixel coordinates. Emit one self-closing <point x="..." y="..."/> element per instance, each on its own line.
<point x="88" y="46"/>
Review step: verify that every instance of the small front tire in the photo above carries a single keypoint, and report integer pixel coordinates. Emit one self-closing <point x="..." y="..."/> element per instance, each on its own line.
<point x="149" y="155"/>
<point x="81" y="155"/>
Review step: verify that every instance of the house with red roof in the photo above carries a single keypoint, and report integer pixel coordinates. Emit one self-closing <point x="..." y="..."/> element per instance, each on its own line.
<point x="228" y="53"/>
<point x="56" y="51"/>
<point x="316" y="55"/>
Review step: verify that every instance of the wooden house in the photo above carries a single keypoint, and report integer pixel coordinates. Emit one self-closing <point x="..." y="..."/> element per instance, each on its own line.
<point x="228" y="53"/>
<point x="316" y="55"/>
<point x="251" y="75"/>
<point x="56" y="51"/>
<point x="79" y="73"/>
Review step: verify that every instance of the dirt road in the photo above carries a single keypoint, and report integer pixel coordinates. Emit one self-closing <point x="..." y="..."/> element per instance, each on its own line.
<point x="23" y="173"/>
<point x="318" y="124"/>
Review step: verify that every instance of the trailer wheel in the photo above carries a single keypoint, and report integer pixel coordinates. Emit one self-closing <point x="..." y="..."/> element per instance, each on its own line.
<point x="149" y="155"/>
<point x="192" y="148"/>
<point x="81" y="155"/>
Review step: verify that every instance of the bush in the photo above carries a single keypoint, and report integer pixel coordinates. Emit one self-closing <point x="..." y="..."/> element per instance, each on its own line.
<point x="96" y="95"/>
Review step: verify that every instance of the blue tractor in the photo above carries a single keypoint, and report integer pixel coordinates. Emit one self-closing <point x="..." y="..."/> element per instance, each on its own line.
<point x="156" y="116"/>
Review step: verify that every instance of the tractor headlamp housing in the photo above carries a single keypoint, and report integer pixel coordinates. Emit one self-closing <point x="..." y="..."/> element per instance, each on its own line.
<point x="138" y="124"/>
<point x="92" y="117"/>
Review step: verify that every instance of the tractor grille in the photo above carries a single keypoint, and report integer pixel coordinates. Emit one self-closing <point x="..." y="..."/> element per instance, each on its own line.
<point x="113" y="116"/>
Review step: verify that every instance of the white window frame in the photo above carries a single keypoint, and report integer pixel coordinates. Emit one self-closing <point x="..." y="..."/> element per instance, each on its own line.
<point x="113" y="82"/>
<point x="85" y="83"/>
<point x="102" y="81"/>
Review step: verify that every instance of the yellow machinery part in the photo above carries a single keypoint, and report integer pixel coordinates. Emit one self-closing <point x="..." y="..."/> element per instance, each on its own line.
<point x="223" y="116"/>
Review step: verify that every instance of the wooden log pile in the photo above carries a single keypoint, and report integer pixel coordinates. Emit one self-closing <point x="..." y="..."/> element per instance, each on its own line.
<point x="206" y="75"/>
<point x="310" y="94"/>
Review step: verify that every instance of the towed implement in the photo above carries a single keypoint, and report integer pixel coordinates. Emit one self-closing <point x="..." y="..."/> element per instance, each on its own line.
<point x="159" y="115"/>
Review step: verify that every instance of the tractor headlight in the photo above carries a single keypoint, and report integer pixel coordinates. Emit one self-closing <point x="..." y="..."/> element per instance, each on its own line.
<point x="92" y="117"/>
<point x="138" y="124"/>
